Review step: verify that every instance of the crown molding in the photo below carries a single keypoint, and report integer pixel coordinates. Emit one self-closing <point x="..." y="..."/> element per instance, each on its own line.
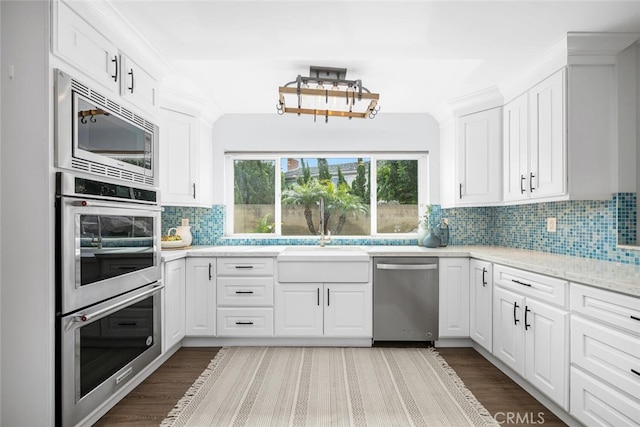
<point x="597" y="48"/>
<point x="477" y="101"/>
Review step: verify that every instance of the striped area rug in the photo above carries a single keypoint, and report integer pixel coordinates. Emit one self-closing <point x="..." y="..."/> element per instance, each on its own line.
<point x="292" y="386"/>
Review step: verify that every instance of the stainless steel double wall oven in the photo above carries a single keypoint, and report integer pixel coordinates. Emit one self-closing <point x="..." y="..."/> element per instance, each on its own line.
<point x="108" y="290"/>
<point x="107" y="247"/>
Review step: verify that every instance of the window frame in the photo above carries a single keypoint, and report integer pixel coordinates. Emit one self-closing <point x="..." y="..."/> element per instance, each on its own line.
<point x="230" y="157"/>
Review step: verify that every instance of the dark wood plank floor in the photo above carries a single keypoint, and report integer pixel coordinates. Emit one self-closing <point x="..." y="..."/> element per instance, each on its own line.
<point x="497" y="392"/>
<point x="149" y="403"/>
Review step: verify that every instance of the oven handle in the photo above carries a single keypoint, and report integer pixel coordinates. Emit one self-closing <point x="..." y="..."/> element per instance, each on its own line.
<point x="94" y="203"/>
<point x="87" y="317"/>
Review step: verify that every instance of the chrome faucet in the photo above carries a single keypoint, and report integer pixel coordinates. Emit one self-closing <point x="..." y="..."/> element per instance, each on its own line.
<point x="323" y="238"/>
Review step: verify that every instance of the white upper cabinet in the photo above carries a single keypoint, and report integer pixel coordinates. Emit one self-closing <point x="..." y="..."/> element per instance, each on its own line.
<point x="82" y="46"/>
<point x="91" y="47"/>
<point x="516" y="148"/>
<point x="478" y="158"/>
<point x="186" y="153"/>
<point x="547" y="144"/>
<point x="535" y="143"/>
<point x="558" y="137"/>
<point x="178" y="157"/>
<point x="137" y="84"/>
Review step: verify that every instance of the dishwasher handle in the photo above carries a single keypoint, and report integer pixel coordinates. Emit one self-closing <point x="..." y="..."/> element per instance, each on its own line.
<point x="407" y="266"/>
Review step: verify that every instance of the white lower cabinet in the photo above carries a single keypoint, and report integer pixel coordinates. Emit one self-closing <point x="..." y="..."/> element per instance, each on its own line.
<point x="245" y="322"/>
<point x="201" y="297"/>
<point x="531" y="336"/>
<point x="453" y="290"/>
<point x="605" y="357"/>
<point x="174" y="303"/>
<point x="330" y="310"/>
<point x="245" y="296"/>
<point x="348" y="310"/>
<point x="481" y="303"/>
<point x="299" y="309"/>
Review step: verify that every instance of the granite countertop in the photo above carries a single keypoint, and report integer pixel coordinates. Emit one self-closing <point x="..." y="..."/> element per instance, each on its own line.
<point x="622" y="278"/>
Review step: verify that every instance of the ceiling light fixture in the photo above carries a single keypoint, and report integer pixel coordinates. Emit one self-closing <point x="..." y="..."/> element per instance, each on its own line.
<point x="332" y="96"/>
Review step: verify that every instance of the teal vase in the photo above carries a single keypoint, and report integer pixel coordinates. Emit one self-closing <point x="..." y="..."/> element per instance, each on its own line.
<point x="431" y="240"/>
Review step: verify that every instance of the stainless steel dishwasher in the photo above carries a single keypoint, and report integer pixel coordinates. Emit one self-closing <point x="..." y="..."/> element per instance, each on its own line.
<point x="405" y="299"/>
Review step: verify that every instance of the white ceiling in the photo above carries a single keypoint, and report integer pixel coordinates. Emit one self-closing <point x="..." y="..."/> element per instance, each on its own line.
<point x="416" y="54"/>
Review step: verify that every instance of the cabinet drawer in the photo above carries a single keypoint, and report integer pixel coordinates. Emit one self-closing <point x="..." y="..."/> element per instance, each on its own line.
<point x="596" y="404"/>
<point x="250" y="322"/>
<point x="622" y="311"/>
<point x="245" y="267"/>
<point x="607" y="353"/>
<point x="245" y="291"/>
<point x="535" y="285"/>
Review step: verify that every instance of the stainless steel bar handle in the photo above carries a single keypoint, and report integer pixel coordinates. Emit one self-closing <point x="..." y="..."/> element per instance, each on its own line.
<point x="139" y="297"/>
<point x="407" y="266"/>
<point x="94" y="203"/>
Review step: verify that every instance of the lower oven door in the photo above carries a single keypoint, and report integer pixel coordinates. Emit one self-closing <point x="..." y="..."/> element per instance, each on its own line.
<point x="105" y="346"/>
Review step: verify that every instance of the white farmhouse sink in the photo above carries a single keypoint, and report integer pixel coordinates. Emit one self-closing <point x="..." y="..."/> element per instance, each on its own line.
<point x="329" y="264"/>
<point x="326" y="253"/>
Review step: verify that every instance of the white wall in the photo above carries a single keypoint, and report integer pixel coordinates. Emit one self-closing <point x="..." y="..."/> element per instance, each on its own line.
<point x="26" y="217"/>
<point x="290" y="133"/>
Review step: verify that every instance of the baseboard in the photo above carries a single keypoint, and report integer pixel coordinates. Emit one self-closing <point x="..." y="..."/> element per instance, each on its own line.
<point x="454" y="342"/>
<point x="275" y="341"/>
<point x="540" y="397"/>
<point x="94" y="416"/>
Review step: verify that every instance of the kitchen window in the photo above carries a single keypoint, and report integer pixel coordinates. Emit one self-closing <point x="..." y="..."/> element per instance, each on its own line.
<point x="364" y="194"/>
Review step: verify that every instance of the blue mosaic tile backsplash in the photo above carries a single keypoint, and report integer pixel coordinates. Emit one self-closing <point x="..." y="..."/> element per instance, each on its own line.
<point x="584" y="228"/>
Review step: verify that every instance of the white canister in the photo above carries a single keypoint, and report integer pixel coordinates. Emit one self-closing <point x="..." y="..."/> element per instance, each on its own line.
<point x="183" y="231"/>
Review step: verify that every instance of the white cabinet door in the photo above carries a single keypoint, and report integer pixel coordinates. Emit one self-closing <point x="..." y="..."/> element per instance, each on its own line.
<point x="348" y="310"/>
<point x="516" y="149"/>
<point x="138" y="86"/>
<point x="201" y="297"/>
<point x="596" y="403"/>
<point x="174" y="302"/>
<point x="546" y="349"/>
<point x="479" y="157"/>
<point x="481" y="303"/>
<point x="547" y="141"/>
<point x="508" y="321"/>
<point x="178" y="158"/>
<point x="85" y="48"/>
<point x="298" y="309"/>
<point x="453" y="316"/>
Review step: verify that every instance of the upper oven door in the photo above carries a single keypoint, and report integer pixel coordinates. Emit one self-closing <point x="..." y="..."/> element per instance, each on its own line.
<point x="106" y="249"/>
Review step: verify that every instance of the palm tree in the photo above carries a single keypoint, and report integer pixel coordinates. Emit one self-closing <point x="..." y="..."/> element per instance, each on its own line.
<point x="347" y="202"/>
<point x="306" y="194"/>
